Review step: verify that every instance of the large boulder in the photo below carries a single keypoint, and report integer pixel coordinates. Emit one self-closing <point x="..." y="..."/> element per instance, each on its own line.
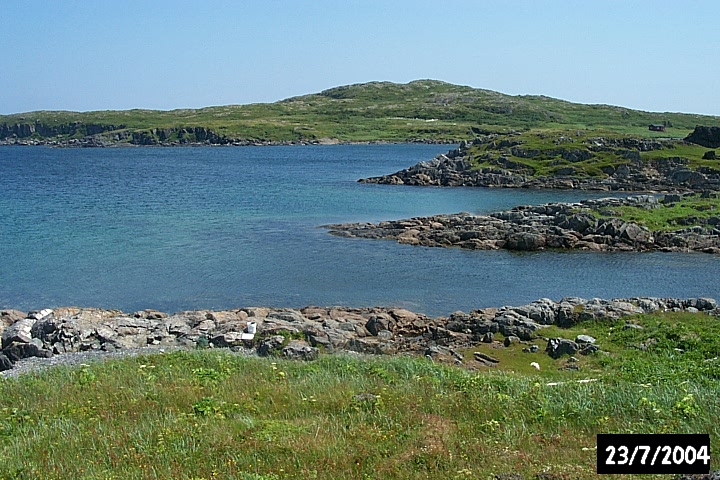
<point x="557" y="347"/>
<point x="706" y="136"/>
<point x="540" y="311"/>
<point x="18" y="351"/>
<point x="19" y="332"/>
<point x="380" y="321"/>
<point x="8" y="317"/>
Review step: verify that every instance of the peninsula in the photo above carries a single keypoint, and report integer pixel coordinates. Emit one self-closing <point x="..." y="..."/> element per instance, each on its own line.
<point x="674" y="223"/>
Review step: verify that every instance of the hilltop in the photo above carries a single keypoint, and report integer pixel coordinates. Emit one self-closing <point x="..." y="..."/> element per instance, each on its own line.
<point x="419" y="111"/>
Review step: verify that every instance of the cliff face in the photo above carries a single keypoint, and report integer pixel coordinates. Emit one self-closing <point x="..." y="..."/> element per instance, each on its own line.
<point x="93" y="134"/>
<point x="25" y="130"/>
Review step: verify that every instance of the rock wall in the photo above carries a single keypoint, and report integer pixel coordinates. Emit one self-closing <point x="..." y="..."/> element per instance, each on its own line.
<point x="303" y="333"/>
<point x="26" y="130"/>
<point x="102" y="135"/>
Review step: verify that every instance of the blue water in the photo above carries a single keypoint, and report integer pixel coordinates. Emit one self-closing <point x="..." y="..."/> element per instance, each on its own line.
<point x="195" y="228"/>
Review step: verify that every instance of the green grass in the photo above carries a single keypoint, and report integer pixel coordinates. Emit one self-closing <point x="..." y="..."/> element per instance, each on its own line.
<point x="212" y="414"/>
<point x="690" y="211"/>
<point x="540" y="152"/>
<point x="381" y="111"/>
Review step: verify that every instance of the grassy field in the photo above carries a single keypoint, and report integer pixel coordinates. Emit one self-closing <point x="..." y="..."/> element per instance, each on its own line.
<point x="379" y="111"/>
<point x="210" y="414"/>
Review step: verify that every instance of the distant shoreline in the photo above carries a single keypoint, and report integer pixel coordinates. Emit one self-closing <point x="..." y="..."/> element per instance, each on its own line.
<point x="85" y="143"/>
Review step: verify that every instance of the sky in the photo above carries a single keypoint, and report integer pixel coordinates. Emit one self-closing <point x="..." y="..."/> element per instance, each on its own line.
<point x="165" y="54"/>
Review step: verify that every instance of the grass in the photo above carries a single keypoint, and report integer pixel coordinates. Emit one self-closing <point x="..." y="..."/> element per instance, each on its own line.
<point x="542" y="152"/>
<point x="212" y="414"/>
<point x="377" y="111"/>
<point x="691" y="210"/>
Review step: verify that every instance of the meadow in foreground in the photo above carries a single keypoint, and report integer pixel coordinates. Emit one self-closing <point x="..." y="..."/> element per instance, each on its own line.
<point x="215" y="414"/>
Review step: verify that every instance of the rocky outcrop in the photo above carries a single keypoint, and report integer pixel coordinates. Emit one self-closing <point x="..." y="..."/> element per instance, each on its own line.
<point x="78" y="134"/>
<point x="455" y="168"/>
<point x="578" y="226"/>
<point x="26" y="130"/>
<point x="706" y="136"/>
<point x="305" y="333"/>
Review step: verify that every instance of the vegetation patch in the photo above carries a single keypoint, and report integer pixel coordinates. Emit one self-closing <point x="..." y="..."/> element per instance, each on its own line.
<point x="687" y="211"/>
<point x="542" y="152"/>
<point x="214" y="414"/>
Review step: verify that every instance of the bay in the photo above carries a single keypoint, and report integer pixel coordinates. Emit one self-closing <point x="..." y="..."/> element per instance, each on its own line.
<point x="216" y="227"/>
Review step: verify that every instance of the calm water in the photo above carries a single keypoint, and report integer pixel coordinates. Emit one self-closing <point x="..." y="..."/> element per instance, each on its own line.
<point x="193" y="228"/>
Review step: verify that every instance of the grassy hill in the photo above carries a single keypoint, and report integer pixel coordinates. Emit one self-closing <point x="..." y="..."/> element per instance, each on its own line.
<point x="423" y="110"/>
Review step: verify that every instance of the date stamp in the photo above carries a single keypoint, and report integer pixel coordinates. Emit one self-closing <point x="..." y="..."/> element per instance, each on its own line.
<point x="659" y="453"/>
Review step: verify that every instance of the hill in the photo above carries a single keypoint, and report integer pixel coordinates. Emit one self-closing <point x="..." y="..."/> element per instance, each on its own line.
<point x="423" y="110"/>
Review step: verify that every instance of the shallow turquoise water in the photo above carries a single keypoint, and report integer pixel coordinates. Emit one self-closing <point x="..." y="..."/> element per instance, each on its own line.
<point x="192" y="228"/>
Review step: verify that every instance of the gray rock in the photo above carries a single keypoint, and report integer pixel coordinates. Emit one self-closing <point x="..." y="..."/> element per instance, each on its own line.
<point x="703" y="304"/>
<point x="567" y="314"/>
<point x="541" y="311"/>
<point x="525" y="241"/>
<point x="18" y="351"/>
<point x="8" y="317"/>
<point x="270" y="345"/>
<point x="584" y="339"/>
<point x="511" y="340"/>
<point x="44" y="329"/>
<point x="19" y="331"/>
<point x="557" y="347"/>
<point x="299" y="350"/>
<point x="5" y="363"/>
<point x="40" y="314"/>
<point x="435" y="351"/>
<point x="706" y="136"/>
<point x="629" y="326"/>
<point x="320" y="339"/>
<point x="488" y="337"/>
<point x="228" y="339"/>
<point x="384" y="335"/>
<point x="588" y="349"/>
<point x="484" y="358"/>
<point x="378" y="322"/>
<point x="291" y="316"/>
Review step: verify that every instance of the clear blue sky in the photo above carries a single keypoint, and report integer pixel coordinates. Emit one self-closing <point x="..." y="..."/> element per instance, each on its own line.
<point x="656" y="55"/>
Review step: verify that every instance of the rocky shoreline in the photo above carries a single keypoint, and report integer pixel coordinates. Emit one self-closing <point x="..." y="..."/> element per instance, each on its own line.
<point x="67" y="335"/>
<point x="456" y="169"/>
<point x="563" y="226"/>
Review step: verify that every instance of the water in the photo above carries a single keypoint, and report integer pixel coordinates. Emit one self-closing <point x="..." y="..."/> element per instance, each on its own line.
<point x="195" y="228"/>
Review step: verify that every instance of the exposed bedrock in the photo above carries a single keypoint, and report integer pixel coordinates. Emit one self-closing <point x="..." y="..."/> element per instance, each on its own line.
<point x="549" y="226"/>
